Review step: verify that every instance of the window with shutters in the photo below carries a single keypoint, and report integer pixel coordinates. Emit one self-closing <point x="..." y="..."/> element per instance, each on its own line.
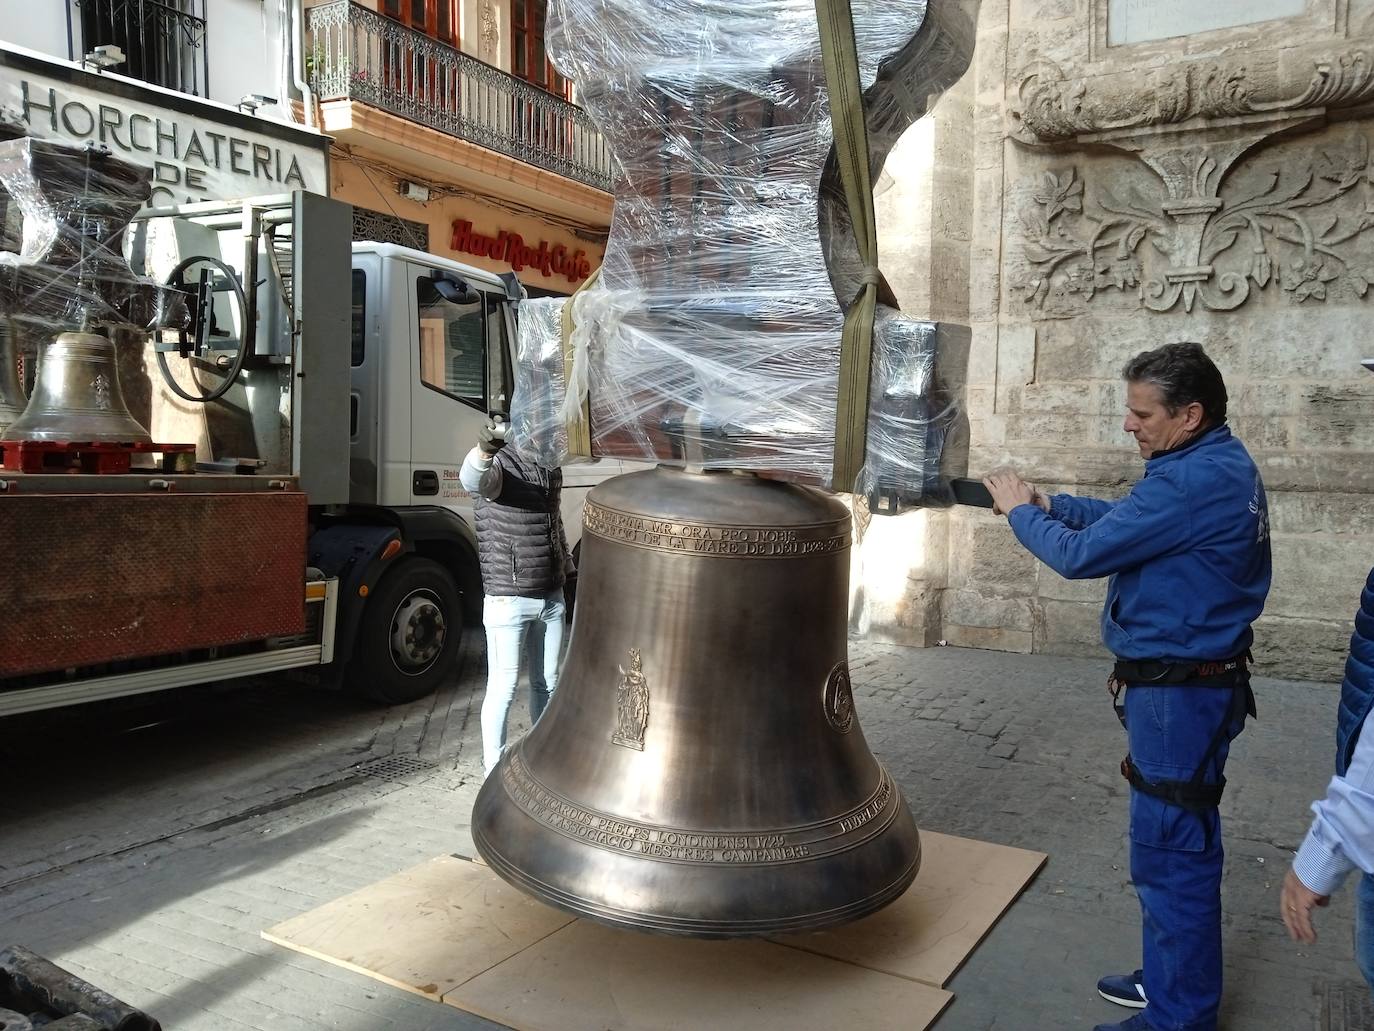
<point x="163" y="40"/>
<point x="529" y="58"/>
<point x="436" y="18"/>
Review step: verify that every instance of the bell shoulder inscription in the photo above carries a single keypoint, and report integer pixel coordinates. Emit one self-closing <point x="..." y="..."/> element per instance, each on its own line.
<point x="714" y="540"/>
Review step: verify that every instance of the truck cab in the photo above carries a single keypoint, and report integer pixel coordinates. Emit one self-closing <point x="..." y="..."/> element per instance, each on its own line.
<point x="432" y="354"/>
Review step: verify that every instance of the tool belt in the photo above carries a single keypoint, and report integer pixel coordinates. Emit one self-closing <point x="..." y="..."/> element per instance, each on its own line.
<point x="1155" y="673"/>
<point x="1194" y="795"/>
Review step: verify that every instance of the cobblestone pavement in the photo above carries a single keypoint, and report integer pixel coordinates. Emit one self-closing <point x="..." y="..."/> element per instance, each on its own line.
<point x="146" y="847"/>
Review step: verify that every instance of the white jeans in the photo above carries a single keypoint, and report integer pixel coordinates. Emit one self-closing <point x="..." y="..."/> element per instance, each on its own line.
<point x="516" y="625"/>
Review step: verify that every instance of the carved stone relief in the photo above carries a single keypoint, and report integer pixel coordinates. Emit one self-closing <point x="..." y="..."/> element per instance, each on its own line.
<point x="1292" y="230"/>
<point x="1053" y="108"/>
<point x="489" y="31"/>
<point x="1210" y="243"/>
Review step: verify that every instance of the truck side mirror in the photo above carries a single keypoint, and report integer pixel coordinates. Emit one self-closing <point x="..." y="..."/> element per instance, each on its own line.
<point x="452" y="288"/>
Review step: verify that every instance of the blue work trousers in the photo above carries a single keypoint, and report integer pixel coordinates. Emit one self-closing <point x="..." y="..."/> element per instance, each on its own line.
<point x="1176" y="855"/>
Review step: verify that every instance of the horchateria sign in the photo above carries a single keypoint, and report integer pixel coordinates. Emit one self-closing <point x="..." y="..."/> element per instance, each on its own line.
<point x="196" y="150"/>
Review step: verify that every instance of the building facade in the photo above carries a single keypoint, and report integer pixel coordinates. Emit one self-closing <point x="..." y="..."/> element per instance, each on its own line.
<point x="219" y="50"/>
<point x="198" y="91"/>
<point x="451" y="130"/>
<point x="1110" y="176"/>
<point x="454" y="134"/>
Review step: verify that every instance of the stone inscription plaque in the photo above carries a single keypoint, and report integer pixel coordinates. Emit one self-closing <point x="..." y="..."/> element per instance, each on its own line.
<point x="1136" y="21"/>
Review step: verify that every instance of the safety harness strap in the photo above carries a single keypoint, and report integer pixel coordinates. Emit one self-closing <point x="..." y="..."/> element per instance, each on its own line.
<point x="1186" y="794"/>
<point x="1194" y="795"/>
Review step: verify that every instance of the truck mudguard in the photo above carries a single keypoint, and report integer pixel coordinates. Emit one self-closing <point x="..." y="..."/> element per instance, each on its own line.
<point x="445" y="536"/>
<point x="352" y="547"/>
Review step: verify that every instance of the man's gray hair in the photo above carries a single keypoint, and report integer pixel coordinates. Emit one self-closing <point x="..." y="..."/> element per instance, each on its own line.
<point x="1184" y="374"/>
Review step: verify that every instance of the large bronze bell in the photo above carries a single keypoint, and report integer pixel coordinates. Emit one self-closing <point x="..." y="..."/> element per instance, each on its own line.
<point x="700" y="769"/>
<point x="76" y="395"/>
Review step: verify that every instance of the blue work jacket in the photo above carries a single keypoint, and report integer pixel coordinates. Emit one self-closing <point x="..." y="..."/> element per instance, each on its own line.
<point x="1187" y="551"/>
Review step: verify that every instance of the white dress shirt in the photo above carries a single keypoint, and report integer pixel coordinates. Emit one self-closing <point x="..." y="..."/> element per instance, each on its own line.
<point x="1342" y="836"/>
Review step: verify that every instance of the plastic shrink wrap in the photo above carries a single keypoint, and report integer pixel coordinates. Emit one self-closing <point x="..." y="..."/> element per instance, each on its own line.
<point x="911" y="413"/>
<point x="712" y="333"/>
<point x="69" y="272"/>
<point x="65" y="210"/>
<point x="538" y="427"/>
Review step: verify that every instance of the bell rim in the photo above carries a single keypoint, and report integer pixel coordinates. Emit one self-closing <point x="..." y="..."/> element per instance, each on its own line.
<point x="685" y="927"/>
<point x="897" y="836"/>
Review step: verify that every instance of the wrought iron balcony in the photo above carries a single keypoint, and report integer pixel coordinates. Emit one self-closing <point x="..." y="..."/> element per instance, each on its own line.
<point x="163" y="42"/>
<point x="357" y="54"/>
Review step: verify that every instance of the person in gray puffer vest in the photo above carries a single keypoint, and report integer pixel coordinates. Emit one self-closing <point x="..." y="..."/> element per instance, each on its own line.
<point x="524" y="556"/>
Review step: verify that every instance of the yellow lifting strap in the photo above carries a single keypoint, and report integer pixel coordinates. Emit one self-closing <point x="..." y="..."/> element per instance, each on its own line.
<point x="579" y="430"/>
<point x="841" y="57"/>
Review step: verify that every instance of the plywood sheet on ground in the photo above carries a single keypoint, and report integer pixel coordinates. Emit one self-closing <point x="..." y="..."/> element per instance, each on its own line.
<point x="427" y="929"/>
<point x="586" y="977"/>
<point x="452" y="930"/>
<point x="962" y="890"/>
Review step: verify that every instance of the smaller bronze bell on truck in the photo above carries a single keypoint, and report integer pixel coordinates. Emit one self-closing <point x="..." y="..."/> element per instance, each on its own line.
<point x="76" y="395"/>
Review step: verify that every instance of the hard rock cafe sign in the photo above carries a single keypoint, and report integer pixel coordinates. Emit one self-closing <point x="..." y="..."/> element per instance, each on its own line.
<point x="512" y="249"/>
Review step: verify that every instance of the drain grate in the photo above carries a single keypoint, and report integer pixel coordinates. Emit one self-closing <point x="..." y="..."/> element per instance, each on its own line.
<point x="1347" y="1006"/>
<point x="395" y="767"/>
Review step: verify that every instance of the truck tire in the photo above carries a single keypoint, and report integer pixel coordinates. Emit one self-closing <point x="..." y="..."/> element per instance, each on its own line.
<point x="408" y="634"/>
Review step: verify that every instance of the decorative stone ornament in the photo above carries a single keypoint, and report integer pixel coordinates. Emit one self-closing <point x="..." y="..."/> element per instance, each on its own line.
<point x="1192" y="239"/>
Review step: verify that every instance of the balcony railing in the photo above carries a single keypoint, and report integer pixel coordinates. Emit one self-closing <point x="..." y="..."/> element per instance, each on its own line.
<point x="357" y="54"/>
<point x="163" y="42"/>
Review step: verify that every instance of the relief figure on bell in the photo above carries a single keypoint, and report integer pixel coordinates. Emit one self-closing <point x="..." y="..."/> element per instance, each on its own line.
<point x="632" y="704"/>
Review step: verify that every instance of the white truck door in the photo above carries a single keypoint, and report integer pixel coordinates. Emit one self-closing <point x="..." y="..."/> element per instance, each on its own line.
<point x="366" y="359"/>
<point x="450" y="391"/>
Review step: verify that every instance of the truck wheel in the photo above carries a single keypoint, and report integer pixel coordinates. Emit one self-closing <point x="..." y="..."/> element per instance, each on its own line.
<point x="408" y="634"/>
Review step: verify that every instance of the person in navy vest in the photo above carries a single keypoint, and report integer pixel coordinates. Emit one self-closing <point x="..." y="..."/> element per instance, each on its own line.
<point x="1341" y="838"/>
<point x="1187" y="554"/>
<point x="524" y="557"/>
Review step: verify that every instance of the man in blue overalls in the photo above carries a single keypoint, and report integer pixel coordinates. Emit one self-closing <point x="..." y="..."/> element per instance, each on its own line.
<point x="1187" y="551"/>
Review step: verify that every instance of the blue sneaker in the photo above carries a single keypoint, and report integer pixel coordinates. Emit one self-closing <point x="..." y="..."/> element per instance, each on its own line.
<point x="1136" y="1023"/>
<point x="1123" y="989"/>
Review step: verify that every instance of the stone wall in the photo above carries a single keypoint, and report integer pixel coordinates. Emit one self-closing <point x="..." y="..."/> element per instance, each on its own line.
<point x="1091" y="190"/>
